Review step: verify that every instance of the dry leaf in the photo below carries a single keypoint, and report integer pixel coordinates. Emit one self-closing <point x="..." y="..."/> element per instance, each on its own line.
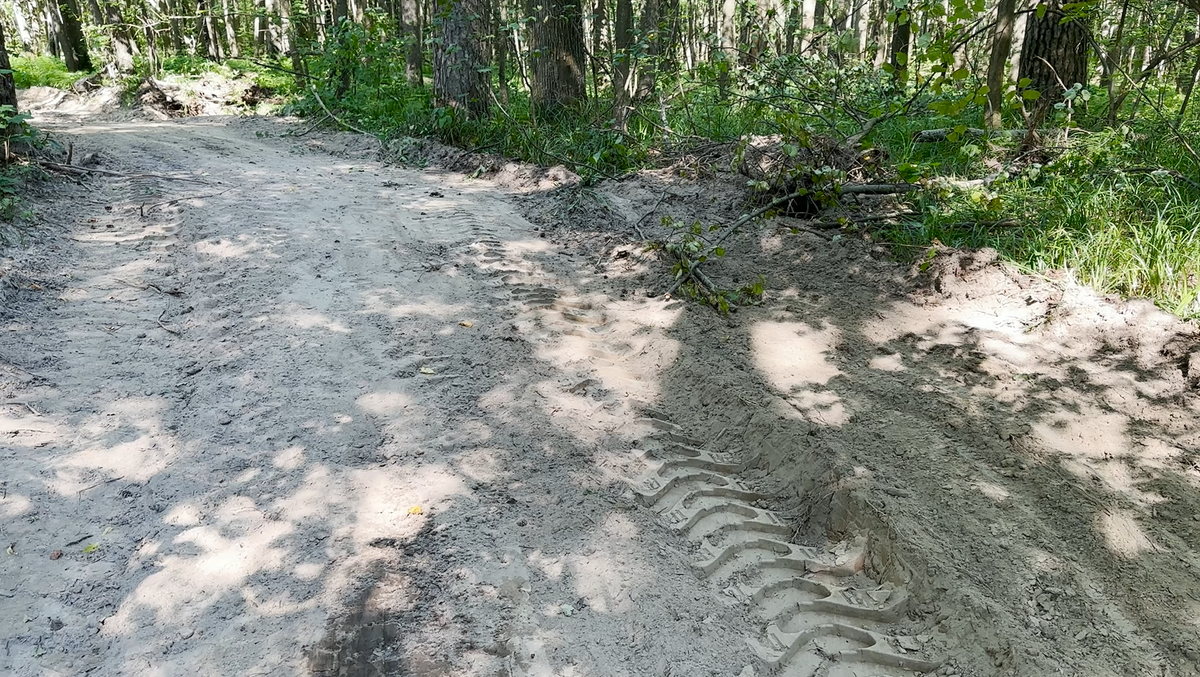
<point x="415" y="510"/>
<point x="35" y="287"/>
<point x="427" y="370"/>
<point x="56" y="554"/>
<point x="467" y="323"/>
<point x="12" y="549"/>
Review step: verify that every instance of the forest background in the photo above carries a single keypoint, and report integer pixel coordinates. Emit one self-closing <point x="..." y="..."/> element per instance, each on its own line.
<point x="1062" y="134"/>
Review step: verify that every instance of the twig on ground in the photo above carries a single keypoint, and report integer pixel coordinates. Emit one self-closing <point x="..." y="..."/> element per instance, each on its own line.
<point x="27" y="405"/>
<point x="147" y="285"/>
<point x="165" y="327"/>
<point x="637" y="225"/>
<point x="144" y="209"/>
<point x="311" y="127"/>
<point x="91" y="170"/>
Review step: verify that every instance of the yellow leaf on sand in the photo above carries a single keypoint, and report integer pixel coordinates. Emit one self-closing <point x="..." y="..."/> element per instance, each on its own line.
<point x="415" y="510"/>
<point x="467" y="323"/>
<point x="427" y="370"/>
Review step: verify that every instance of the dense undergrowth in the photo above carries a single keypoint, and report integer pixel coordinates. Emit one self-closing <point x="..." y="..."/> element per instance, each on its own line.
<point x="1117" y="206"/>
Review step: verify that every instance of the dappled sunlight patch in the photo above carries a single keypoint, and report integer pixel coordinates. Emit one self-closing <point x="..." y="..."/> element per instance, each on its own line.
<point x="306" y="318"/>
<point x="14" y="505"/>
<point x="793" y="355"/>
<point x="1091" y="433"/>
<point x="135" y="461"/>
<point x="550" y="566"/>
<point x="482" y="465"/>
<point x="893" y="362"/>
<point x="395" y="304"/>
<point x="992" y="490"/>
<point x="1122" y="534"/>
<point x="241" y="247"/>
<point x="289" y="458"/>
<point x="385" y="403"/>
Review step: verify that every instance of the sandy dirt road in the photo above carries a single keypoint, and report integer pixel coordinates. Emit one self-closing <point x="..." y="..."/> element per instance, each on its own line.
<point x="315" y="415"/>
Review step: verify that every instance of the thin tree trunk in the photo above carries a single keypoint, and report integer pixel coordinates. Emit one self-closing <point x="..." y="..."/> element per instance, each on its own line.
<point x="1189" y="89"/>
<point x="622" y="72"/>
<point x="901" y="36"/>
<point x="556" y="60"/>
<point x="414" y="57"/>
<point x="1001" y="47"/>
<point x="229" y="14"/>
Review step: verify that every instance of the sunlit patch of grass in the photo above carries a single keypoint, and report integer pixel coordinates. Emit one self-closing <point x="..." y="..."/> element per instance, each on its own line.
<point x="42" y="71"/>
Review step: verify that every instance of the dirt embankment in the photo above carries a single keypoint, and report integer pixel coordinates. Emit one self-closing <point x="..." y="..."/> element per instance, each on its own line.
<point x="333" y="416"/>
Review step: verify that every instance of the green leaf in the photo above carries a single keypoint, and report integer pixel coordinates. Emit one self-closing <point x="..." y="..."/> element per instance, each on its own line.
<point x="960" y="74"/>
<point x="719" y="251"/>
<point x="90" y="548"/>
<point x="1031" y="95"/>
<point x="901" y="58"/>
<point x="1024" y="82"/>
<point x="1041" y="11"/>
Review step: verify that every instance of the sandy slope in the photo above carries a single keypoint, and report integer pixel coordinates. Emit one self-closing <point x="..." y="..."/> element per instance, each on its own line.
<point x="323" y="416"/>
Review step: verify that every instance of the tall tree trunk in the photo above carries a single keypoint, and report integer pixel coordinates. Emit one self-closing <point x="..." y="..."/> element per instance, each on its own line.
<point x="459" y="68"/>
<point x="500" y="50"/>
<point x="341" y="16"/>
<point x="1002" y="38"/>
<point x="1189" y="88"/>
<point x="622" y="72"/>
<point x="8" y="87"/>
<point x="229" y="14"/>
<point x="599" y="19"/>
<point x="556" y="60"/>
<point x="414" y="57"/>
<point x="648" y="32"/>
<point x="898" y="54"/>
<point x="1053" y="57"/>
<point x="74" y="42"/>
<point x="123" y="44"/>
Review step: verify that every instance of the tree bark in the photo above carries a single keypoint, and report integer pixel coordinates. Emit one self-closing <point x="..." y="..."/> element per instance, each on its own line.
<point x="1002" y="38"/>
<point x="123" y="44"/>
<point x="622" y="73"/>
<point x="73" y="43"/>
<point x="8" y="87"/>
<point x="556" y="60"/>
<point x="459" y="65"/>
<point x="898" y="56"/>
<point x="1053" y="57"/>
<point x="414" y="56"/>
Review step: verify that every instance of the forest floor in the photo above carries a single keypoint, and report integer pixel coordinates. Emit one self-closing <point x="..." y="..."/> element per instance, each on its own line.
<point x="312" y="411"/>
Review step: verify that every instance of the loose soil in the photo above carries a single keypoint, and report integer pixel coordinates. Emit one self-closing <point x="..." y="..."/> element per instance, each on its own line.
<point x="319" y="411"/>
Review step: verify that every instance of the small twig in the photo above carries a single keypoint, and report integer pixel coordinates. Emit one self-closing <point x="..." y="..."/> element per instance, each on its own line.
<point x="637" y="225"/>
<point x="89" y="170"/>
<point x="27" y="405"/>
<point x="84" y="538"/>
<point x="310" y="128"/>
<point x="165" y="327"/>
<point x="143" y="210"/>
<point x="160" y="290"/>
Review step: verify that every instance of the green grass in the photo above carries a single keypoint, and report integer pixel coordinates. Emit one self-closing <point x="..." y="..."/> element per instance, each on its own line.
<point x="42" y="71"/>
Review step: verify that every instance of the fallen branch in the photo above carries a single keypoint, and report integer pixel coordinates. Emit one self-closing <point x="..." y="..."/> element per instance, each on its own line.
<point x="336" y="119"/>
<point x="943" y="134"/>
<point x="309" y="129"/>
<point x="877" y="188"/>
<point x="637" y="225"/>
<point x="746" y="218"/>
<point x="89" y="170"/>
<point x="27" y="405"/>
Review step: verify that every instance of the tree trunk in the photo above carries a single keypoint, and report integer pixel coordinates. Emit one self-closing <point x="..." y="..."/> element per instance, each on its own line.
<point x="123" y="44"/>
<point x="622" y="73"/>
<point x="556" y="60"/>
<point x="460" y="80"/>
<point x="229" y="14"/>
<point x="1001" y="47"/>
<point x="414" y="57"/>
<point x="1054" y="57"/>
<point x="901" y="36"/>
<point x="74" y="42"/>
<point x="599" y="19"/>
<point x="8" y="87"/>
